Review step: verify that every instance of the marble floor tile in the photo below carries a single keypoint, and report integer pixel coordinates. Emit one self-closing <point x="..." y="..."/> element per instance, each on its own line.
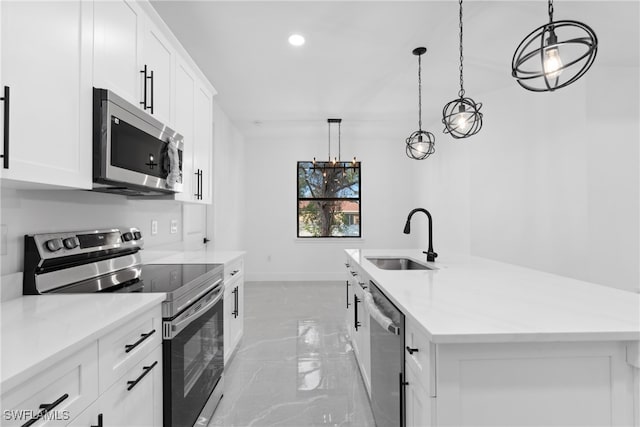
<point x="294" y="365"/>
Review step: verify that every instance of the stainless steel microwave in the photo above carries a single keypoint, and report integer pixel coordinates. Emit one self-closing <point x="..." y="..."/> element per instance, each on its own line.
<point x="133" y="153"/>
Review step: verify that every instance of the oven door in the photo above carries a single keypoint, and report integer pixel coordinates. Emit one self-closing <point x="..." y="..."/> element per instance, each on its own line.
<point x="193" y="360"/>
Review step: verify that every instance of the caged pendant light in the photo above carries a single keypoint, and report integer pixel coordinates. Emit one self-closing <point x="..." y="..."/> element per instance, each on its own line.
<point x="336" y="162"/>
<point x="420" y="144"/>
<point x="462" y="117"/>
<point x="554" y="55"/>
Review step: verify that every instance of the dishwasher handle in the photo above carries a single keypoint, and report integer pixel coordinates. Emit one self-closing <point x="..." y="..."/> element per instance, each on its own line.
<point x="378" y="316"/>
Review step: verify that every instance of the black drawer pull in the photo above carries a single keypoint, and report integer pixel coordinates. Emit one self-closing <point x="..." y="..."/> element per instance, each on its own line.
<point x="99" y="421"/>
<point x="146" y="370"/>
<point x="44" y="408"/>
<point x="412" y="350"/>
<point x="143" y="337"/>
<point x="5" y="136"/>
<point x="144" y="90"/>
<point x="152" y="94"/>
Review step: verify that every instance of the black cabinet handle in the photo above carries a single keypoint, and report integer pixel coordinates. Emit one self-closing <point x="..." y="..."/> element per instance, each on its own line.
<point x="5" y="135"/>
<point x="348" y="284"/>
<point x="99" y="421"/>
<point x="346" y="264"/>
<point x="146" y="370"/>
<point x="152" y="96"/>
<point x="356" y="324"/>
<point x="402" y="385"/>
<point x="44" y="408"/>
<point x="129" y="347"/>
<point x="205" y="240"/>
<point x="412" y="350"/>
<point x="353" y="273"/>
<point x="235" y="302"/>
<point x="144" y="90"/>
<point x="201" y="182"/>
<point x="362" y="285"/>
<point x="197" y="195"/>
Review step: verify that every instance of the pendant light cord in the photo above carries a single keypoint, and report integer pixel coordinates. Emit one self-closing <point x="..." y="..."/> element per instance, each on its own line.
<point x="550" y="10"/>
<point x="419" y="94"/>
<point x="461" y="92"/>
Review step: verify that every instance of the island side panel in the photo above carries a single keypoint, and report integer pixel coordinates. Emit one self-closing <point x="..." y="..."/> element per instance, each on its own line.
<point x="550" y="384"/>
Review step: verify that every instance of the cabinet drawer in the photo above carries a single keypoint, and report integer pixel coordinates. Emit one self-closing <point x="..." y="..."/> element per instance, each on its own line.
<point x="73" y="383"/>
<point x="233" y="269"/>
<point x="420" y="355"/>
<point x="126" y="346"/>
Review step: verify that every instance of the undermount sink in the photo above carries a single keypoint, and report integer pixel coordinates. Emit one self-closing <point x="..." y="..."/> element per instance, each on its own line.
<point x="396" y="263"/>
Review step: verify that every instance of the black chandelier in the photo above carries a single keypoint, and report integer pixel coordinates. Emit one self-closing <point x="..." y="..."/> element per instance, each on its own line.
<point x="462" y="117"/>
<point x="420" y="144"/>
<point x="554" y="55"/>
<point x="336" y="162"/>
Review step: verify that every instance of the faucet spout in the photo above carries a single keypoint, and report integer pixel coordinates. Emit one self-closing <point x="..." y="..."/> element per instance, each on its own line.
<point x="431" y="255"/>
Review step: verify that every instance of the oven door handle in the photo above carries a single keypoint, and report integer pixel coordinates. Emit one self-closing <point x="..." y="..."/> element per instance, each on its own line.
<point x="177" y="327"/>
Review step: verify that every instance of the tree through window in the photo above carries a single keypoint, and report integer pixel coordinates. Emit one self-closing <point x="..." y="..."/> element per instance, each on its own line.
<point x="329" y="199"/>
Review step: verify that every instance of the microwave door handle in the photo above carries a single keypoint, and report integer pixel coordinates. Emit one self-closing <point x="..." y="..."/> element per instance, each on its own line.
<point x="178" y="327"/>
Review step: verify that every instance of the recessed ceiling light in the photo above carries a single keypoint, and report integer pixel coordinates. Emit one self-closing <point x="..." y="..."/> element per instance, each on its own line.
<point x="296" y="40"/>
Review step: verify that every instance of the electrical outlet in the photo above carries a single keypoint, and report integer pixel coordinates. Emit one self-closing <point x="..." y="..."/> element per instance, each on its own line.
<point x="174" y="226"/>
<point x="154" y="227"/>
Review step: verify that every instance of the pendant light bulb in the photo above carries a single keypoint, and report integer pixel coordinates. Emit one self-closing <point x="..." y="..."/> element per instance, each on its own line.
<point x="552" y="63"/>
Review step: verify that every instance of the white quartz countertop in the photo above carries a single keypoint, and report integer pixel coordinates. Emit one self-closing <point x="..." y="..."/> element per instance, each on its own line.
<point x="189" y="257"/>
<point x="38" y="331"/>
<point x="475" y="300"/>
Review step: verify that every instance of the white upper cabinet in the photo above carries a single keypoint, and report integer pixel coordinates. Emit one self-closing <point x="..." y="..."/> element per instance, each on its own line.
<point x="46" y="66"/>
<point x="203" y="148"/>
<point x="117" y="45"/>
<point x="158" y="59"/>
<point x="184" y="124"/>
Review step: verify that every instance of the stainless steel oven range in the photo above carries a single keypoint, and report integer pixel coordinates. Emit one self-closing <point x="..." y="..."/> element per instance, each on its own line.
<point x="109" y="261"/>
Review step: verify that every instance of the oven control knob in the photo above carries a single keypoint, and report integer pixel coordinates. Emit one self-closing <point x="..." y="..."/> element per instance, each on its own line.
<point x="137" y="235"/>
<point x="71" y="242"/>
<point x="127" y="236"/>
<point x="54" y="245"/>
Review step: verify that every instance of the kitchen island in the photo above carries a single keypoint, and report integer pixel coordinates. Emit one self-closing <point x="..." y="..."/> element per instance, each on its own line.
<point x="490" y="343"/>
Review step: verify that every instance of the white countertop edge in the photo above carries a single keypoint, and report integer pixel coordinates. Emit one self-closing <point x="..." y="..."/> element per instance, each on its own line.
<point x="7" y="382"/>
<point x="190" y="257"/>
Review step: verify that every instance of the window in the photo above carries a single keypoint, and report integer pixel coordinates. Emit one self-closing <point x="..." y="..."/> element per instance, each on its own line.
<point x="329" y="199"/>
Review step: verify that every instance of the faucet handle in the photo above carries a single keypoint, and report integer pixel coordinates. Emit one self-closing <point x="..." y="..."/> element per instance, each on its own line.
<point x="431" y="256"/>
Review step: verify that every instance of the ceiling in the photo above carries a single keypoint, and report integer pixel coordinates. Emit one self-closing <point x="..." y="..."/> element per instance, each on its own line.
<point x="357" y="62"/>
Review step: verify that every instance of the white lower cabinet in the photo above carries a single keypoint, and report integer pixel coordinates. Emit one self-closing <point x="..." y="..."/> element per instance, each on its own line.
<point x="114" y="381"/>
<point x="66" y="389"/>
<point x="358" y="321"/>
<point x="233" y="306"/>
<point x="518" y="384"/>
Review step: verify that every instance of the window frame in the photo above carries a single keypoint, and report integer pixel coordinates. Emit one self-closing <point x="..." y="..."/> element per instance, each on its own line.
<point x="358" y="200"/>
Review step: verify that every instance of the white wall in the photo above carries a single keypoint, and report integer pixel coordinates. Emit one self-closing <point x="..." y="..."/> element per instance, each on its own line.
<point x="226" y="217"/>
<point x="388" y="191"/>
<point x="551" y="182"/>
<point x="41" y="211"/>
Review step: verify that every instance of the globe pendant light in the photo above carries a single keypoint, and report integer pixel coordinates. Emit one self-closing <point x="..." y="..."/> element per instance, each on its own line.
<point x="420" y="144"/>
<point x="462" y="117"/>
<point x="554" y="55"/>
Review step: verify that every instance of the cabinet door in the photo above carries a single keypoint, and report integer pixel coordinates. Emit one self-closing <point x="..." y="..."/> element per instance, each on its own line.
<point x="204" y="142"/>
<point x="139" y="404"/>
<point x="46" y="63"/>
<point x="159" y="56"/>
<point x="184" y="124"/>
<point x="116" y="57"/>
<point x="417" y="401"/>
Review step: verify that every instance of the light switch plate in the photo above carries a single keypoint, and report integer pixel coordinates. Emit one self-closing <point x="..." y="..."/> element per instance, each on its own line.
<point x="154" y="227"/>
<point x="174" y="226"/>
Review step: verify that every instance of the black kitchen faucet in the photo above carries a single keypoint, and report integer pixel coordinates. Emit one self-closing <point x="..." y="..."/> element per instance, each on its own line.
<point x="431" y="255"/>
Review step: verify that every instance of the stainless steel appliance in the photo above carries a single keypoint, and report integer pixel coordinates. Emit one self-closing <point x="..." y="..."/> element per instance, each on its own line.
<point x="109" y="261"/>
<point x="387" y="359"/>
<point x="133" y="153"/>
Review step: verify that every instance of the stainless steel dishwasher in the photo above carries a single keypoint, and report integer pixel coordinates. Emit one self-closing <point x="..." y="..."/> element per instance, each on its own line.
<point x="387" y="359"/>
